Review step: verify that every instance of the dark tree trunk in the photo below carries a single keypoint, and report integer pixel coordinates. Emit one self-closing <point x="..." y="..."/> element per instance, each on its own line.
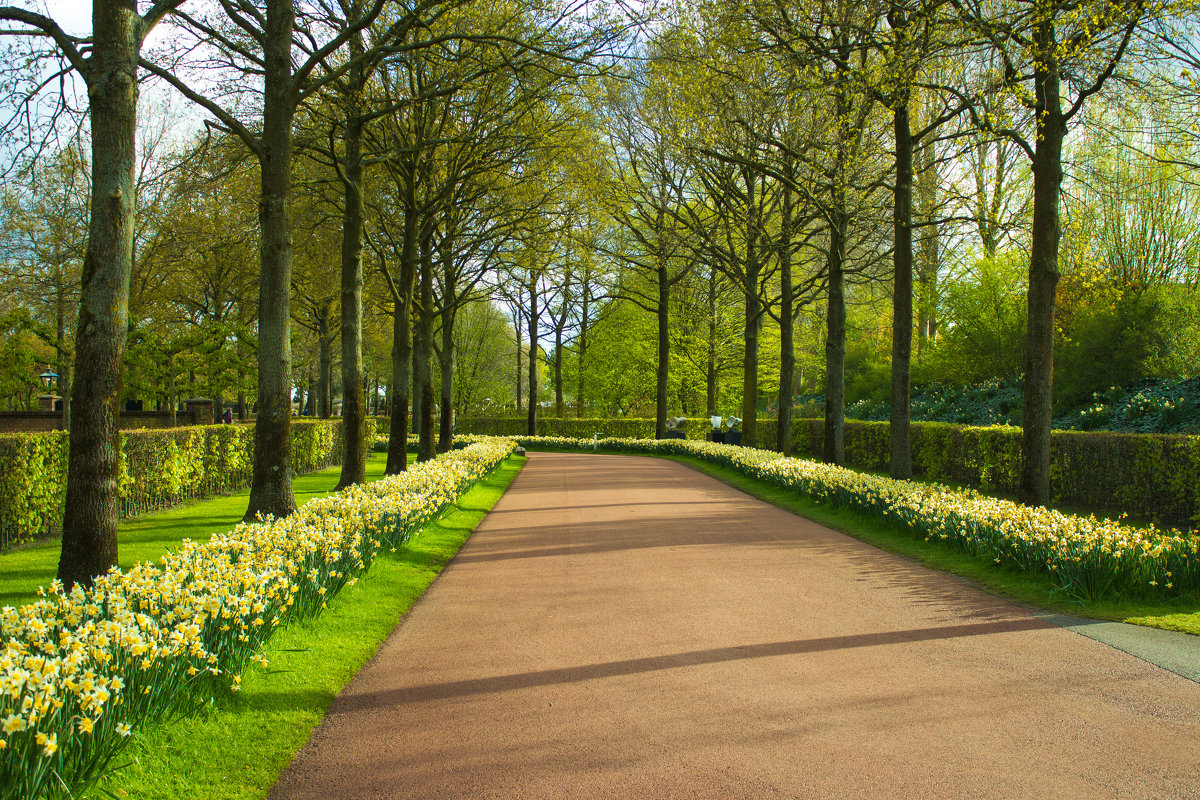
<point x="354" y="444"/>
<point x="531" y="418"/>
<point x="271" y="484"/>
<point x="172" y="394"/>
<point x="927" y="274"/>
<point x="89" y="543"/>
<point x="423" y="359"/>
<point x="835" y="345"/>
<point x="559" y="406"/>
<point x="900" y="465"/>
<point x="520" y="378"/>
<point x="583" y="345"/>
<point x="753" y="324"/>
<point x="446" y="364"/>
<point x="397" y="458"/>
<point x="787" y="350"/>
<point x="325" y="366"/>
<point x="710" y="372"/>
<point x="662" y="373"/>
<point x="1043" y="273"/>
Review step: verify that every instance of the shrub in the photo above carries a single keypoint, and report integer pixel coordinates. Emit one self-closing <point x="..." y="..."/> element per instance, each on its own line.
<point x="158" y="468"/>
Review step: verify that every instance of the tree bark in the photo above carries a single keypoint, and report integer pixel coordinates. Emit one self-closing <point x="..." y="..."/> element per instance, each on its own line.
<point x="271" y="484"/>
<point x="397" y="458"/>
<point x="1043" y="272"/>
<point x="927" y="274"/>
<point x="531" y="418"/>
<point x="753" y="323"/>
<point x="900" y="464"/>
<point x="325" y="366"/>
<point x="710" y="372"/>
<point x="583" y="345"/>
<point x="517" y="339"/>
<point x="354" y="445"/>
<point x="662" y="371"/>
<point x="835" y="344"/>
<point x="787" y="349"/>
<point x="423" y="358"/>
<point x="446" y="363"/>
<point x="89" y="544"/>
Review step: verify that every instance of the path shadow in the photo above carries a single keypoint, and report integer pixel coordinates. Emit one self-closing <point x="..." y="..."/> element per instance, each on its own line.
<point x="348" y="703"/>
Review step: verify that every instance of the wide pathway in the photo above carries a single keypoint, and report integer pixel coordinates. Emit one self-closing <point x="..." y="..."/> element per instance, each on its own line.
<point x="624" y="627"/>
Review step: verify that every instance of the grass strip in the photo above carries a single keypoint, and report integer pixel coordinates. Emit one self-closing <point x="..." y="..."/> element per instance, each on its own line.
<point x="149" y="536"/>
<point x="238" y="746"/>
<point x="1030" y="589"/>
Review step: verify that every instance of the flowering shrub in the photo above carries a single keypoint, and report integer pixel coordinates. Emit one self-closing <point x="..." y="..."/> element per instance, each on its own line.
<point x="80" y="671"/>
<point x="1087" y="557"/>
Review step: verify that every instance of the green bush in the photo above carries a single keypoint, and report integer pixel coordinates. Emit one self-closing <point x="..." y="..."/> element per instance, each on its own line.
<point x="159" y="468"/>
<point x="570" y="427"/>
<point x="1145" y="475"/>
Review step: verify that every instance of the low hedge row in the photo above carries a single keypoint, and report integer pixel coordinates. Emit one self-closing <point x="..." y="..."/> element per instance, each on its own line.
<point x="159" y="468"/>
<point x="1156" y="476"/>
<point x="1145" y="475"/>
<point x="586" y="428"/>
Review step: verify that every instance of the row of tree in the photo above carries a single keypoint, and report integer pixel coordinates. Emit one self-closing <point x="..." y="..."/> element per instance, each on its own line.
<point x="504" y="193"/>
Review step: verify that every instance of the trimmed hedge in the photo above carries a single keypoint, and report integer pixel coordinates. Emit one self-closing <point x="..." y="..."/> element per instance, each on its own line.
<point x="630" y="428"/>
<point x="1145" y="475"/>
<point x="159" y="468"/>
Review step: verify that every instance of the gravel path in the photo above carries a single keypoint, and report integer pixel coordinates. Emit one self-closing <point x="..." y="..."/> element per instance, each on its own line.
<point x="625" y="627"/>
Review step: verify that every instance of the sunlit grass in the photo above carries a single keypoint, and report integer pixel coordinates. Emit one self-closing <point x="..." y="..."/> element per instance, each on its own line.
<point x="238" y="746"/>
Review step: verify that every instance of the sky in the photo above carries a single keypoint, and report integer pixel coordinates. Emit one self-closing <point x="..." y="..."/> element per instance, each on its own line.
<point x="73" y="16"/>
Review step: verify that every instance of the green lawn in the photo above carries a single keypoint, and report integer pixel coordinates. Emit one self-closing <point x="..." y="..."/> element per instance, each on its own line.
<point x="147" y="537"/>
<point x="1034" y="590"/>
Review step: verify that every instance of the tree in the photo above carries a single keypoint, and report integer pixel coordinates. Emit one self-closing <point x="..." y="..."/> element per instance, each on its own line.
<point x="262" y="41"/>
<point x="1042" y="46"/>
<point x="108" y="65"/>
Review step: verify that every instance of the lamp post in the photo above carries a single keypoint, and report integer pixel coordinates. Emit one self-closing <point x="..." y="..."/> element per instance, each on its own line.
<point x="46" y="401"/>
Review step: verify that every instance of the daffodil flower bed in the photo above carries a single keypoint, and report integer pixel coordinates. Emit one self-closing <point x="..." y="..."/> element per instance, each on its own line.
<point x="82" y="671"/>
<point x="1087" y="557"/>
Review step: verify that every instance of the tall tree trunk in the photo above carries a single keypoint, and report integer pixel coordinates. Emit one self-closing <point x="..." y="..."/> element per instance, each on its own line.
<point x="397" y="457"/>
<point x="520" y="376"/>
<point x="583" y="345"/>
<point x="89" y="544"/>
<point x="62" y="364"/>
<point x="559" y="406"/>
<point x="662" y="372"/>
<point x="787" y="348"/>
<point x="325" y="366"/>
<point x="531" y="418"/>
<point x="446" y="363"/>
<point x="900" y="465"/>
<point x="354" y="445"/>
<point x="753" y="323"/>
<point x="172" y="394"/>
<point x="1043" y="272"/>
<point x="927" y="274"/>
<point x="423" y="358"/>
<point x="710" y="372"/>
<point x="835" y="344"/>
<point x="271" y="484"/>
